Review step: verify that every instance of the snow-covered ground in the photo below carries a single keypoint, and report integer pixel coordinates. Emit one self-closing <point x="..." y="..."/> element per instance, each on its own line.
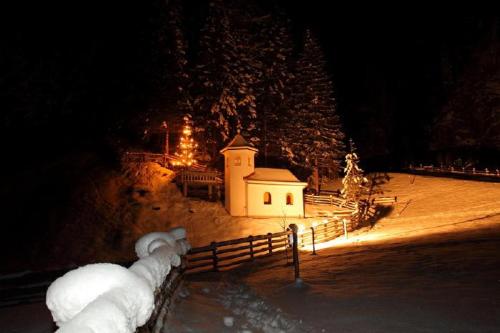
<point x="430" y="265"/>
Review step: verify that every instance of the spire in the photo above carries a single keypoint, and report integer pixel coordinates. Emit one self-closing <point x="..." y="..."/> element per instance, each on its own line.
<point x="239" y="142"/>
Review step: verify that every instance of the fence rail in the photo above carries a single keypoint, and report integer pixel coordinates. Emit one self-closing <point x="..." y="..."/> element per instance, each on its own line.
<point x="326" y="231"/>
<point x="384" y="200"/>
<point x="227" y="254"/>
<point x="329" y="200"/>
<point x="206" y="177"/>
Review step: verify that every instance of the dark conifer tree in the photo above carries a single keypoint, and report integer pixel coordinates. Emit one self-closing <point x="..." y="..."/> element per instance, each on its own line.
<point x="313" y="137"/>
<point x="275" y="54"/>
<point x="226" y="75"/>
<point x="170" y="73"/>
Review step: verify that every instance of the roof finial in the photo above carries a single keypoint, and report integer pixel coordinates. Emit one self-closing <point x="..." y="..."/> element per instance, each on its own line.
<point x="238" y="131"/>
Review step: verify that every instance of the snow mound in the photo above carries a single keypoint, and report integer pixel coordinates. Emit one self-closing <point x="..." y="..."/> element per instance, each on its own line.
<point x="71" y="293"/>
<point x="155" y="268"/>
<point x="110" y="298"/>
<point x="142" y="246"/>
<point x="177" y="233"/>
<point x="102" y="315"/>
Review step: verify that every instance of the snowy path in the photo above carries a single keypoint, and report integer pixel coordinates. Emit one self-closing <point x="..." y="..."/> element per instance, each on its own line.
<point x="218" y="303"/>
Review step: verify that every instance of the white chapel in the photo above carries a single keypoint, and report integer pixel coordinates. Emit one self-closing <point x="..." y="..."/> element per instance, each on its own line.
<point x="258" y="192"/>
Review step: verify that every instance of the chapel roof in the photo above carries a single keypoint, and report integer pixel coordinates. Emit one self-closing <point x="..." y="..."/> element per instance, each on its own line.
<point x="238" y="142"/>
<point x="272" y="174"/>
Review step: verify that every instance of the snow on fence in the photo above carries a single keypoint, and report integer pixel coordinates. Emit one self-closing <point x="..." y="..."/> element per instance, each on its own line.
<point x="113" y="299"/>
<point x="228" y="254"/>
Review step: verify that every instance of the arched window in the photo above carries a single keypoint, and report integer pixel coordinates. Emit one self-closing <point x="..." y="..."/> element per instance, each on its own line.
<point x="267" y="198"/>
<point x="237" y="161"/>
<point x="289" y="199"/>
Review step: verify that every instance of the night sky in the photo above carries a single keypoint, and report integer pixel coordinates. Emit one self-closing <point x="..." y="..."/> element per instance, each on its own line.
<point x="389" y="66"/>
<point x="93" y="60"/>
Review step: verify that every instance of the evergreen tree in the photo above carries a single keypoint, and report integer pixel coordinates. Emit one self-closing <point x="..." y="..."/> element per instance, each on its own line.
<point x="313" y="137"/>
<point x="226" y="74"/>
<point x="470" y="120"/>
<point x="275" y="53"/>
<point x="170" y="74"/>
<point x="354" y="182"/>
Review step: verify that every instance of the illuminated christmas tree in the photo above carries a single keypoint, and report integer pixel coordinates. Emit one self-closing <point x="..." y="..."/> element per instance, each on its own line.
<point x="187" y="145"/>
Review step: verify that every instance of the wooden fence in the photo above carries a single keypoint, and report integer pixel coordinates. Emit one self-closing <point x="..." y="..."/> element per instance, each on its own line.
<point x="329" y="200"/>
<point x="328" y="230"/>
<point x="228" y="254"/>
<point x="456" y="170"/>
<point x="210" y="178"/>
<point x="198" y="177"/>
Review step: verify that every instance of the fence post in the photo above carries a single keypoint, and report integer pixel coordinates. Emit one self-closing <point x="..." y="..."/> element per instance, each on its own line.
<point x="345" y="228"/>
<point x="213" y="245"/>
<point x="250" y="239"/>
<point x="210" y="192"/>
<point x="270" y="242"/>
<point x="295" y="248"/>
<point x="314" y="245"/>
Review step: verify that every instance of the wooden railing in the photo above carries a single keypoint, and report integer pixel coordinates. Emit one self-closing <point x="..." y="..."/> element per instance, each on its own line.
<point x="228" y="254"/>
<point x="384" y="200"/>
<point x="207" y="177"/>
<point x="328" y="230"/>
<point x="330" y="200"/>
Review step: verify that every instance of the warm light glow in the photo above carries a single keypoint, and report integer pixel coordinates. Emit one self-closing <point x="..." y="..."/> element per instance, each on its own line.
<point x="187" y="145"/>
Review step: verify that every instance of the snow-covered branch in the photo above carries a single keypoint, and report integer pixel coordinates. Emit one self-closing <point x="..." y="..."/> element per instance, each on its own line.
<point x="111" y="298"/>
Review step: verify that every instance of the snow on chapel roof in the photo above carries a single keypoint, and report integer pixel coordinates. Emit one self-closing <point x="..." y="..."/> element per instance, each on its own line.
<point x="271" y="174"/>
<point x="238" y="142"/>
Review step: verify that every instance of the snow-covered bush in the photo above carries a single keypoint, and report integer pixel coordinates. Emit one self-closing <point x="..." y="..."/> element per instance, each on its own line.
<point x="354" y="182"/>
<point x="110" y="298"/>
